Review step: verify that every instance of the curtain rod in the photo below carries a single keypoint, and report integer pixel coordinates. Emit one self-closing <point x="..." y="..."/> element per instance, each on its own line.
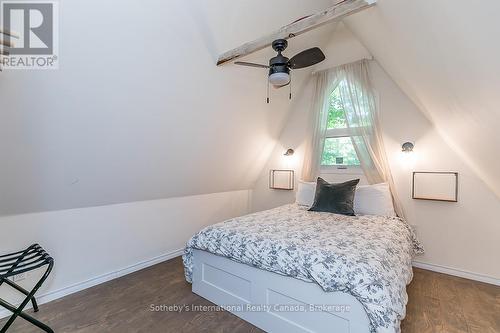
<point x="348" y="63"/>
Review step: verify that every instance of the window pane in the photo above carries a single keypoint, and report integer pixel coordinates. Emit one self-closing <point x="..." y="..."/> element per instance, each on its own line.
<point x="339" y="151"/>
<point x="336" y="116"/>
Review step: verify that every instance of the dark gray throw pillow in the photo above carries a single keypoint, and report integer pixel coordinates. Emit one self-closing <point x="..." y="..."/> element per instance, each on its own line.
<point x="334" y="198"/>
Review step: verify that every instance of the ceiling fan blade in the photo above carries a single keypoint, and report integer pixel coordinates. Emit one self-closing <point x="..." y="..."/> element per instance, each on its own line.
<point x="250" y="64"/>
<point x="307" y="58"/>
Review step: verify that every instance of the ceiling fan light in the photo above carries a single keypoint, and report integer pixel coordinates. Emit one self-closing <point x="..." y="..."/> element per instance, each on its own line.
<point x="279" y="79"/>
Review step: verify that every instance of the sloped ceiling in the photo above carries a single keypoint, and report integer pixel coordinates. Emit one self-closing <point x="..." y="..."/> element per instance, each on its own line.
<point x="138" y="110"/>
<point x="446" y="56"/>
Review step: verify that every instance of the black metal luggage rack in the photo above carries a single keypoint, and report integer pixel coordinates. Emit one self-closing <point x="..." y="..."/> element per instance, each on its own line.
<point x="21" y="262"/>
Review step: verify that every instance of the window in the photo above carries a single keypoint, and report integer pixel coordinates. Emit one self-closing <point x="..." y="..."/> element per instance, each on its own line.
<point x="339" y="152"/>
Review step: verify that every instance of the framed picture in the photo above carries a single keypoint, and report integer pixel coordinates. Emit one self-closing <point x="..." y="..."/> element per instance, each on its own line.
<point x="281" y="179"/>
<point x="436" y="186"/>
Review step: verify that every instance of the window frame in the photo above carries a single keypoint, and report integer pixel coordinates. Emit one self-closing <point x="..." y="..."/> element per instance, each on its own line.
<point x="341" y="133"/>
<point x="332" y="133"/>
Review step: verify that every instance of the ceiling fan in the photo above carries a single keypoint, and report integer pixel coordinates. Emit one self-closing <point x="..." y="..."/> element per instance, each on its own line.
<point x="281" y="66"/>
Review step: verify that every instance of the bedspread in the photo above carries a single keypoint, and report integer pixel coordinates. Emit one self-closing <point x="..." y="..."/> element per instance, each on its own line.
<point x="369" y="257"/>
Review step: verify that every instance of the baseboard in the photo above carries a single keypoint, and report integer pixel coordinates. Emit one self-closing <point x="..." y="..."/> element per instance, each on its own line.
<point x="55" y="294"/>
<point x="457" y="272"/>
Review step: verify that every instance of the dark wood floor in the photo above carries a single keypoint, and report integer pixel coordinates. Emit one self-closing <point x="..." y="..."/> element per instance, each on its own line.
<point x="438" y="303"/>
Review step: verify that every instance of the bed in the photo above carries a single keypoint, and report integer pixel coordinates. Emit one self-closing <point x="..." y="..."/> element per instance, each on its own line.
<point x="291" y="270"/>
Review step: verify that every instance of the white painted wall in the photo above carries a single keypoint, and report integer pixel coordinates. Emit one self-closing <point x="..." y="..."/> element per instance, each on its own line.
<point x="462" y="236"/>
<point x="90" y="244"/>
<point x="138" y="110"/>
<point x="444" y="56"/>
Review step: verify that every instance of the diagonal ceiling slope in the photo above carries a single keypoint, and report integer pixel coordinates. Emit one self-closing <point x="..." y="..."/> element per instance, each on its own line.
<point x="138" y="110"/>
<point x="445" y="56"/>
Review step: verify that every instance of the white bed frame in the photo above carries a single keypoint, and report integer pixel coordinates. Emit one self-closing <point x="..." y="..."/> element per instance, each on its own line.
<point x="238" y="287"/>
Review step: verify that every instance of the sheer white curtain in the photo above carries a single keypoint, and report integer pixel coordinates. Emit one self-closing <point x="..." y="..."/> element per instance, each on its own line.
<point x="325" y="82"/>
<point x="362" y="120"/>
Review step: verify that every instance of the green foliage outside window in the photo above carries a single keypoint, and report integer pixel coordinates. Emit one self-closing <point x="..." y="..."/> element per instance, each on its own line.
<point x="340" y="150"/>
<point x="336" y="117"/>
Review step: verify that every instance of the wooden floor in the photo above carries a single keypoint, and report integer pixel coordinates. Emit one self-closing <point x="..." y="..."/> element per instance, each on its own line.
<point x="438" y="303"/>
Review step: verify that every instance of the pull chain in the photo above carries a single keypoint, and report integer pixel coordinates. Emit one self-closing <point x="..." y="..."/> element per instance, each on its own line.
<point x="290" y="96"/>
<point x="268" y="91"/>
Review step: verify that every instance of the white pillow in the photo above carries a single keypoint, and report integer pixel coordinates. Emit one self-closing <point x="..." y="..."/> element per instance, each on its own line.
<point x="369" y="199"/>
<point x="374" y="200"/>
<point x="305" y="193"/>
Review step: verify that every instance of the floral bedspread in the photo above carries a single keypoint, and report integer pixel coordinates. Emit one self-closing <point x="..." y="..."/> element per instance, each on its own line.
<point x="367" y="256"/>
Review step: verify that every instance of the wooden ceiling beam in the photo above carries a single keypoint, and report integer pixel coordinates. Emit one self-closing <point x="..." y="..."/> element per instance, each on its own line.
<point x="9" y="33"/>
<point x="333" y="14"/>
<point x="6" y="43"/>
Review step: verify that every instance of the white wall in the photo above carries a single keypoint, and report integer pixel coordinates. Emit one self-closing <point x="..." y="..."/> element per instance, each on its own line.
<point x="138" y="110"/>
<point x="444" y="56"/>
<point x="462" y="236"/>
<point x="91" y="243"/>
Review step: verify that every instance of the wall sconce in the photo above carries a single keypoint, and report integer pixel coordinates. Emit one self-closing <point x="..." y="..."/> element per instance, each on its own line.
<point x="407" y="147"/>
<point x="289" y="158"/>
